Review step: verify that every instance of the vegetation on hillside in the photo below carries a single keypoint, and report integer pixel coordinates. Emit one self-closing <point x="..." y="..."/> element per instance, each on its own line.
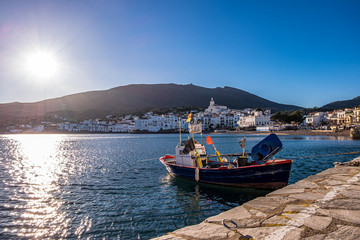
<point x="289" y="117"/>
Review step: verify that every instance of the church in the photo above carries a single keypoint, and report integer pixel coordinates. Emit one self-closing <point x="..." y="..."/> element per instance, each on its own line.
<point x="214" y="108"/>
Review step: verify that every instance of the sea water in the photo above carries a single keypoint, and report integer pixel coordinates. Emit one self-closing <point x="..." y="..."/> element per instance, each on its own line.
<point x="113" y="186"/>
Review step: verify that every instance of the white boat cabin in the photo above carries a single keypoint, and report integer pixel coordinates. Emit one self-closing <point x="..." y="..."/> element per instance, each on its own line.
<point x="188" y="160"/>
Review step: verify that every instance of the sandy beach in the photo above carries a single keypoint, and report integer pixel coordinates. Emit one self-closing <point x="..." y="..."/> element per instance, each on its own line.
<point x="345" y="133"/>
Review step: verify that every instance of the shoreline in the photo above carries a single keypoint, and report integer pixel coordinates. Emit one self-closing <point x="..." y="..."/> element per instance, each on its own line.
<point x="344" y="133"/>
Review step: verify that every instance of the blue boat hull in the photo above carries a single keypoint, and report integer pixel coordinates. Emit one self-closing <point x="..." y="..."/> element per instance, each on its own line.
<point x="271" y="175"/>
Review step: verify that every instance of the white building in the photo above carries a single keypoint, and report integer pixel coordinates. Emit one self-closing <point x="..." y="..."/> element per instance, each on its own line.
<point x="214" y="108"/>
<point x="315" y="119"/>
<point x="255" y="119"/>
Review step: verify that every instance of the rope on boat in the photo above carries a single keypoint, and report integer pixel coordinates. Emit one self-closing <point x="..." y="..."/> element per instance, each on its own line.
<point x="325" y="155"/>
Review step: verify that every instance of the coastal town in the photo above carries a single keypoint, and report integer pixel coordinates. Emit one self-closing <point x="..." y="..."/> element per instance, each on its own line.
<point x="215" y="117"/>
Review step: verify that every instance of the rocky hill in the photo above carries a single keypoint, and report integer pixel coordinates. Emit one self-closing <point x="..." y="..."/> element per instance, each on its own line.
<point x="134" y="98"/>
<point x="355" y="102"/>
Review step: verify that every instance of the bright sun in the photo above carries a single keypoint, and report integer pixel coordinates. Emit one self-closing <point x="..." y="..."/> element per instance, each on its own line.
<point x="41" y="64"/>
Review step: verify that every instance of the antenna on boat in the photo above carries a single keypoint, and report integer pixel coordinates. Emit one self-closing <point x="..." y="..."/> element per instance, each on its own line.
<point x="242" y="145"/>
<point x="180" y="129"/>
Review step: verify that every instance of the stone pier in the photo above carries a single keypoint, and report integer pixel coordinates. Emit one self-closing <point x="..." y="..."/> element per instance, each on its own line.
<point x="322" y="206"/>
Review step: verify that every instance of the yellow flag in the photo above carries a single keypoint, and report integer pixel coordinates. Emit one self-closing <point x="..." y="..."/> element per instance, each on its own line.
<point x="189" y="118"/>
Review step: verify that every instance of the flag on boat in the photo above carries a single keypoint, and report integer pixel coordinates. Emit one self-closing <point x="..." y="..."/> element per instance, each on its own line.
<point x="195" y="128"/>
<point x="209" y="140"/>
<point x="189" y="118"/>
<point x="189" y="146"/>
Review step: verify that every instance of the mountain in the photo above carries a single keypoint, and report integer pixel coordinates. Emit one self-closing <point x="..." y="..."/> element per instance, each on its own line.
<point x="136" y="97"/>
<point x="355" y="102"/>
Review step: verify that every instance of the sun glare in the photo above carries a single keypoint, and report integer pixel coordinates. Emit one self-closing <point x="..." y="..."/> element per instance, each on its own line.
<point x="41" y="64"/>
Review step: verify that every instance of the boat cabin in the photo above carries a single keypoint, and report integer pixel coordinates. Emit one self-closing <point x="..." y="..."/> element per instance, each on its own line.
<point x="188" y="159"/>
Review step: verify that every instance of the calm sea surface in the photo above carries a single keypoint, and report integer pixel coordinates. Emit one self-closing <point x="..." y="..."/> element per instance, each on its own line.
<point x="113" y="186"/>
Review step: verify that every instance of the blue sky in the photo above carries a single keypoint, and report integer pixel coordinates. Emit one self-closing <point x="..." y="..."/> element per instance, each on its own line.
<point x="305" y="53"/>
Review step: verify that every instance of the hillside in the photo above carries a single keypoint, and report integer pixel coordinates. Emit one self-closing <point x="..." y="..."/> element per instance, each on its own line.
<point x="355" y="102"/>
<point x="136" y="97"/>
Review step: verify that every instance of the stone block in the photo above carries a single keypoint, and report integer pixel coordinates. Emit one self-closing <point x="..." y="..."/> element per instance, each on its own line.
<point x="317" y="222"/>
<point x="351" y="193"/>
<point x="276" y="221"/>
<point x="257" y="213"/>
<point x="354" y="187"/>
<point x="248" y="222"/>
<point x="339" y="170"/>
<point x="308" y="196"/>
<point x="169" y="236"/>
<point x="267" y="204"/>
<point x="286" y="191"/>
<point x="235" y="213"/>
<point x="292" y="208"/>
<point x="205" y="231"/>
<point x="296" y="220"/>
<point x="316" y="237"/>
<point x="315" y="178"/>
<point x="342" y="232"/>
<point x="304" y="184"/>
<point x="331" y="182"/>
<point x="340" y="177"/>
<point x="351" y="216"/>
<point x="346" y="204"/>
<point x="273" y="233"/>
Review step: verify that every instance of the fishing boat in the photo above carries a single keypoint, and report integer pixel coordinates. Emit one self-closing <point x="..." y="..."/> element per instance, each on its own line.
<point x="257" y="169"/>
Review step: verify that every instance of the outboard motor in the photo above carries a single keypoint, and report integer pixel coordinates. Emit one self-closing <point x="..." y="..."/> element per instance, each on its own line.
<point x="266" y="149"/>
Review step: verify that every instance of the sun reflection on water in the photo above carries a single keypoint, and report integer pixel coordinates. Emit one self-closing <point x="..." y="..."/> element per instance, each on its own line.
<point x="35" y="173"/>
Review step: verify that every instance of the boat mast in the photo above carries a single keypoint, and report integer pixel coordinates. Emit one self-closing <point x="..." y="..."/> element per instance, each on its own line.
<point x="180" y="128"/>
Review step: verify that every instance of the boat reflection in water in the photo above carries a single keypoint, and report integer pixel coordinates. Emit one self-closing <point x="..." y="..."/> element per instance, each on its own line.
<point x="205" y="200"/>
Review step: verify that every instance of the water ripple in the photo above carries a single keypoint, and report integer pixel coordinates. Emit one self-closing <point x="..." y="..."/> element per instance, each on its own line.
<point x="113" y="186"/>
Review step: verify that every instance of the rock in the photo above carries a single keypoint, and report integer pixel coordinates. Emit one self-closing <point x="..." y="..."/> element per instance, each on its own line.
<point x="351" y="193"/>
<point x="341" y="177"/>
<point x="317" y="222"/>
<point x="343" y="232"/>
<point x="348" y="204"/>
<point x="273" y="233"/>
<point x="267" y="204"/>
<point x="296" y="220"/>
<point x="331" y="182"/>
<point x="206" y="231"/>
<point x="169" y="236"/>
<point x="276" y="221"/>
<point x="294" y="208"/>
<point x="235" y="213"/>
<point x="286" y="191"/>
<point x="304" y="184"/>
<point x="352" y="216"/>
<point x="308" y="196"/>
<point x="249" y="222"/>
<point x="257" y="213"/>
<point x="339" y="170"/>
<point x="354" y="187"/>
<point x="316" y="237"/>
<point x="315" y="178"/>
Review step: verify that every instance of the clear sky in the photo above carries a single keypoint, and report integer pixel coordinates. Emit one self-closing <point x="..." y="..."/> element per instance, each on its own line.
<point x="305" y="53"/>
